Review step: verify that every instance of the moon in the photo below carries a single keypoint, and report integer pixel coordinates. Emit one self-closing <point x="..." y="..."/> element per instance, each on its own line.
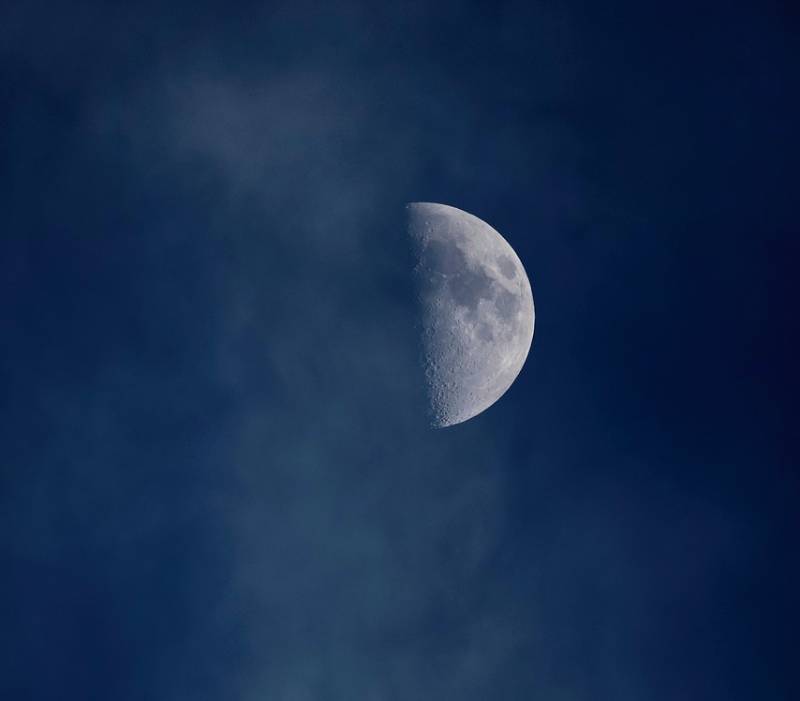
<point x="476" y="310"/>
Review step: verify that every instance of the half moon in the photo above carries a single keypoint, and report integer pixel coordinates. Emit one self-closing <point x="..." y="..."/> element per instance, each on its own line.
<point x="477" y="310"/>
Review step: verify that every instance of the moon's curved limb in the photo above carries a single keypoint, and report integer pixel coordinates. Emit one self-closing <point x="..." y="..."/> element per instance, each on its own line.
<point x="477" y="310"/>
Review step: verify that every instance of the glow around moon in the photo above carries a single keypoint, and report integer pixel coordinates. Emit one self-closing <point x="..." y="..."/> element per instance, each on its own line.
<point x="476" y="309"/>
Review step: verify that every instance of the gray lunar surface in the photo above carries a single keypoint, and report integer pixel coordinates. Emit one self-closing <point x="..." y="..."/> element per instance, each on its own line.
<point x="476" y="310"/>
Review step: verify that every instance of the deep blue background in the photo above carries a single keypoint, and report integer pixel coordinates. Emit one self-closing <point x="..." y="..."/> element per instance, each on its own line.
<point x="214" y="481"/>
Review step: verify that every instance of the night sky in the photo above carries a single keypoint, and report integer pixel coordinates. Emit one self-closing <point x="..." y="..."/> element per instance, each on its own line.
<point x="216" y="480"/>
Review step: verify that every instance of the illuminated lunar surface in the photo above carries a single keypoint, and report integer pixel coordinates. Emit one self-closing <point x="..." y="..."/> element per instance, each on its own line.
<point x="477" y="311"/>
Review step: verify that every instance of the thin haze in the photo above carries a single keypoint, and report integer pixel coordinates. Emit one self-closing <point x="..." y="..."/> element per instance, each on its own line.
<point x="217" y="478"/>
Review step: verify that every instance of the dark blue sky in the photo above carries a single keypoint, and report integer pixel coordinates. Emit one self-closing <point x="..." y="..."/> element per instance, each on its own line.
<point x="215" y="478"/>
